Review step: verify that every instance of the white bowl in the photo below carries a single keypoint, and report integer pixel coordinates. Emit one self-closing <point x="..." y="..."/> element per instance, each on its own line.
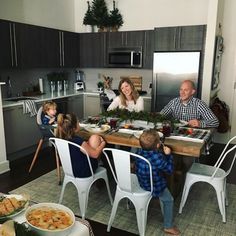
<point x="47" y="232"/>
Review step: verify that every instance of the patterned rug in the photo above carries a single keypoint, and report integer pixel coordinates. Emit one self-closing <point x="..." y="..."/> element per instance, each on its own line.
<point x="200" y="215"/>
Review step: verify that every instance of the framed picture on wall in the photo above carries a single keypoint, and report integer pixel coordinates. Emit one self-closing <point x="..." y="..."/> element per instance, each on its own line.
<point x="219" y="46"/>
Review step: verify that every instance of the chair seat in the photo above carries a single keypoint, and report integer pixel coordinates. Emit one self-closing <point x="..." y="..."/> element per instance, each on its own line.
<point x="213" y="175"/>
<point x="205" y="171"/>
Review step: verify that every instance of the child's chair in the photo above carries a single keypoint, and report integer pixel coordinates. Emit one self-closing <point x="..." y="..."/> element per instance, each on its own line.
<point x="213" y="175"/>
<point x="128" y="186"/>
<point x="46" y="133"/>
<point x="82" y="185"/>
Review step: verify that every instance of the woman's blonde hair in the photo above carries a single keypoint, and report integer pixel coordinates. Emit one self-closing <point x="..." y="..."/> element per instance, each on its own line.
<point x="66" y="126"/>
<point x="149" y="139"/>
<point x="134" y="94"/>
<point x="48" y="105"/>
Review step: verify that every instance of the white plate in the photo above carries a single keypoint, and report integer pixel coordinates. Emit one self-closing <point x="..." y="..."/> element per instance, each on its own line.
<point x="96" y="129"/>
<point x="82" y="125"/>
<point x="137" y="134"/>
<point x="181" y="123"/>
<point x="18" y="197"/>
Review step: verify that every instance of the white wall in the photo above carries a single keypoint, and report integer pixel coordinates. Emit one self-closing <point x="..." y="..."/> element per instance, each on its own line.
<point x="57" y="14"/>
<point x="139" y="14"/>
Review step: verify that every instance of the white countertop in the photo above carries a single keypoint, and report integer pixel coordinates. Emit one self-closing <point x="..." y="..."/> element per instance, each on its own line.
<point x="56" y="95"/>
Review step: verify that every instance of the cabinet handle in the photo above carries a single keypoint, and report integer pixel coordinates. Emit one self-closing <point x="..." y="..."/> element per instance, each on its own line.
<point x="62" y="46"/>
<point x="11" y="45"/>
<point x="14" y="37"/>
<point x="175" y="43"/>
<point x="60" y="49"/>
<point x="179" y="38"/>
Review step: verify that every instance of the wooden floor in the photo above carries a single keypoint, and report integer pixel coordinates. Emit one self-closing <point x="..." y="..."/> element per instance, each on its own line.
<point x="18" y="176"/>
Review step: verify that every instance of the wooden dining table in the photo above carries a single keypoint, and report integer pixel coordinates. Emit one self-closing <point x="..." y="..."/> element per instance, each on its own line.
<point x="181" y="147"/>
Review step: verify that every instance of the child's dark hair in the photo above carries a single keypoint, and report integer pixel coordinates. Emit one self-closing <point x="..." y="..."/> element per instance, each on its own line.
<point x="66" y="126"/>
<point x="149" y="139"/>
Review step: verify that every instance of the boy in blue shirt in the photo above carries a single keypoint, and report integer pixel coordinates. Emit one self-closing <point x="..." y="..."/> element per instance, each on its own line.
<point x="49" y="110"/>
<point x="161" y="163"/>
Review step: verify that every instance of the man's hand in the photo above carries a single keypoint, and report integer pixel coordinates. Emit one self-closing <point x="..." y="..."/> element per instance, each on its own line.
<point x="194" y="123"/>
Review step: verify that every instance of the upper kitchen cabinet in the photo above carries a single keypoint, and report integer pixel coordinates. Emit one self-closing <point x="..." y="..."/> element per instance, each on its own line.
<point x="92" y="50"/>
<point x="29" y="46"/>
<point x="8" y="55"/>
<point x="180" y="38"/>
<point x="71" y="49"/>
<point x="148" y="49"/>
<point x="38" y="47"/>
<point x="125" y="39"/>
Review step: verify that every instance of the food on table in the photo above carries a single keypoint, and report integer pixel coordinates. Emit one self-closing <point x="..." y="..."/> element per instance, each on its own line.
<point x="49" y="218"/>
<point x="9" y="205"/>
<point x="7" y="229"/>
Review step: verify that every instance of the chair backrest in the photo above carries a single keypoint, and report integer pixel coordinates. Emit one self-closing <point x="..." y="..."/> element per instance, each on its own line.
<point x="226" y="151"/>
<point x="46" y="130"/>
<point x="62" y="148"/>
<point x="122" y="170"/>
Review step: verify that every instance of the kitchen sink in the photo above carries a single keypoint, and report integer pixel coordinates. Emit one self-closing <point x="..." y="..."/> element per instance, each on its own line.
<point x="16" y="99"/>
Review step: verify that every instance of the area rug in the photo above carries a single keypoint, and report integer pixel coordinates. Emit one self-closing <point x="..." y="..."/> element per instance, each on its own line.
<point x="200" y="215"/>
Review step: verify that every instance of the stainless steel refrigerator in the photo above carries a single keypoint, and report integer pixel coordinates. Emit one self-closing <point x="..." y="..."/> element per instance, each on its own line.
<point x="169" y="70"/>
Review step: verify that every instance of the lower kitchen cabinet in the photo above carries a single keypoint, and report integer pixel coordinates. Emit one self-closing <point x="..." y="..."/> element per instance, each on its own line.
<point x="21" y="130"/>
<point x="91" y="105"/>
<point x="76" y="105"/>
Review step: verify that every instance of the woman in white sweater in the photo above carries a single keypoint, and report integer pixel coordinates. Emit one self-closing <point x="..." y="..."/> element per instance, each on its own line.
<point x="128" y="99"/>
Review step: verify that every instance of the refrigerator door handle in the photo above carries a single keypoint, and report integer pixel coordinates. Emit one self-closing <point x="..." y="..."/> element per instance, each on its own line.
<point x="154" y="92"/>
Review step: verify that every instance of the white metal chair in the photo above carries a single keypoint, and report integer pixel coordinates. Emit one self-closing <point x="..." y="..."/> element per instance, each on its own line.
<point x="46" y="132"/>
<point x="213" y="175"/>
<point x="128" y="186"/>
<point x="82" y="185"/>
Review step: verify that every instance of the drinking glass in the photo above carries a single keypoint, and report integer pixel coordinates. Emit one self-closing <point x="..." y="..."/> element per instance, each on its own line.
<point x="113" y="123"/>
<point x="166" y="128"/>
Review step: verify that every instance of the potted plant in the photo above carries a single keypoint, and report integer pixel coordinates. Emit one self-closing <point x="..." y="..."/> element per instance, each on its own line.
<point x="100" y="14"/>
<point x="115" y="18"/>
<point x="100" y="85"/>
<point x="89" y="18"/>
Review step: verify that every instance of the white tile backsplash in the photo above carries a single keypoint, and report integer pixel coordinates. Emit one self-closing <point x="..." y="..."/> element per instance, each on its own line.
<point x="23" y="80"/>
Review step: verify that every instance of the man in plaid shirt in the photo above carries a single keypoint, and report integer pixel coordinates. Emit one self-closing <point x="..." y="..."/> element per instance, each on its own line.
<point x="161" y="163"/>
<point x="190" y="109"/>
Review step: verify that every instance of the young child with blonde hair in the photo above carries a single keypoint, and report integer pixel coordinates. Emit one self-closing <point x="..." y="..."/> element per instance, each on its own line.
<point x="161" y="162"/>
<point x="49" y="110"/>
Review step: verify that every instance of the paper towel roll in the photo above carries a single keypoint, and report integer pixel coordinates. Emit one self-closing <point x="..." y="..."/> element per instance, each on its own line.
<point x="41" y="85"/>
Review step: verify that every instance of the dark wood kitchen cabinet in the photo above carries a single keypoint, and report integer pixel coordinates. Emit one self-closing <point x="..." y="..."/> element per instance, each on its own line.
<point x="180" y="38"/>
<point x="125" y="39"/>
<point x="8" y="50"/>
<point x="21" y="131"/>
<point x="29" y="46"/>
<point x="92" y="50"/>
<point x="148" y="49"/>
<point x="38" y="47"/>
<point x="71" y="49"/>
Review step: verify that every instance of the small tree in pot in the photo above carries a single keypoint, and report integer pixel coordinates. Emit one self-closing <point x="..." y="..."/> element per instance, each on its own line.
<point x="89" y="18"/>
<point x="115" y="18"/>
<point x="100" y="14"/>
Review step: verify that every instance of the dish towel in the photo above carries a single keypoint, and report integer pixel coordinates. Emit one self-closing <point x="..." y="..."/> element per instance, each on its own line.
<point x="29" y="107"/>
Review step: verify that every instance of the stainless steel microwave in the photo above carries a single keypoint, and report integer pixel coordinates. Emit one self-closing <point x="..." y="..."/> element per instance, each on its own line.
<point x="125" y="57"/>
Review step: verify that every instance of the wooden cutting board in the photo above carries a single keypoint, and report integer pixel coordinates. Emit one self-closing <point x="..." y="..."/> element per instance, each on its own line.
<point x="136" y="80"/>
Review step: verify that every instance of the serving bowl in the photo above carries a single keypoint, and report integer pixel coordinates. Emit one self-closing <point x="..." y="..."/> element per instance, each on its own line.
<point x="48" y="218"/>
